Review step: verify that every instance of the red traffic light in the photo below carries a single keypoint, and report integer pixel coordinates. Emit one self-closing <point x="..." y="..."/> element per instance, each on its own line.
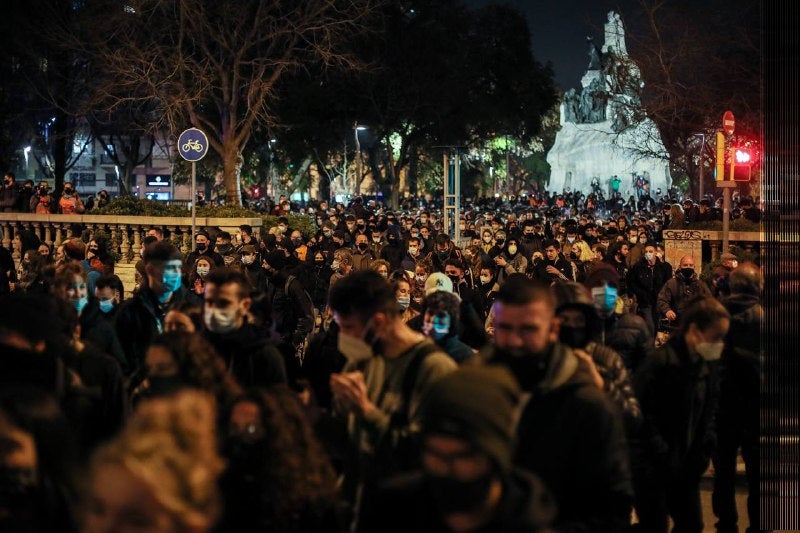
<point x="742" y="156"/>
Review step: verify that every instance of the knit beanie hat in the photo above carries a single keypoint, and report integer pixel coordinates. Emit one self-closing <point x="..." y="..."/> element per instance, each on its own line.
<point x="276" y="259"/>
<point x="475" y="404"/>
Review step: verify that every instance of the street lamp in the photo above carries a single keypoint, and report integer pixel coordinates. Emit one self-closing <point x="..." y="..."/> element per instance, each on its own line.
<point x="356" y="129"/>
<point x="702" y="166"/>
<point x="272" y="169"/>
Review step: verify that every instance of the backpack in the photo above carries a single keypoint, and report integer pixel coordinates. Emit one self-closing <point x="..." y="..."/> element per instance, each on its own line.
<point x="316" y="319"/>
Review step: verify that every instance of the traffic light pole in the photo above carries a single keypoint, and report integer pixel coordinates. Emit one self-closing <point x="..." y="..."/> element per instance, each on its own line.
<point x="726" y="185"/>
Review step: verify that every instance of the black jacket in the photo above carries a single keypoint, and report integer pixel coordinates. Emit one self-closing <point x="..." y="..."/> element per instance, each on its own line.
<point x="139" y="320"/>
<point x="740" y="377"/>
<point x="628" y="335"/>
<point x="571" y="435"/>
<point x="563" y="266"/>
<point x="644" y="281"/>
<point x="98" y="331"/>
<point x="678" y="395"/>
<point x="404" y="503"/>
<point x="679" y="293"/>
<point x="249" y="355"/>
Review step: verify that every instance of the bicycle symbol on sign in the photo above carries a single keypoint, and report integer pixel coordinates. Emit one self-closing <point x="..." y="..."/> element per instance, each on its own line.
<point x="192" y="144"/>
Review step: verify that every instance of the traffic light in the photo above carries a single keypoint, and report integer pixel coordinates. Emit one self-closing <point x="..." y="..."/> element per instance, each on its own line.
<point x="741" y="164"/>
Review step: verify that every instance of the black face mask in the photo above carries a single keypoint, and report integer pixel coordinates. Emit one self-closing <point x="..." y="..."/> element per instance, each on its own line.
<point x="18" y="491"/>
<point x="163" y="385"/>
<point x="573" y="256"/>
<point x="528" y="367"/>
<point x="246" y="457"/>
<point x="453" y="496"/>
<point x="500" y="242"/>
<point x="297" y="242"/>
<point x="201" y="247"/>
<point x="572" y="336"/>
<point x="687" y="272"/>
<point x="363" y="246"/>
<point x="224" y="248"/>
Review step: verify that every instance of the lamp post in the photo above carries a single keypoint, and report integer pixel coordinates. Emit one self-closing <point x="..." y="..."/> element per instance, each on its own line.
<point x="356" y="129"/>
<point x="702" y="166"/>
<point x="272" y="169"/>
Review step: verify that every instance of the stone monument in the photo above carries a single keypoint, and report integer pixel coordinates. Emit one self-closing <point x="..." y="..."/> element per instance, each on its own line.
<point x="601" y="134"/>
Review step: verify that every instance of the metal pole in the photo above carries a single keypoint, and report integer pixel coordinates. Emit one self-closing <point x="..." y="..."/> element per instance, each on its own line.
<point x="357" y="184"/>
<point x="457" y="196"/>
<point x="726" y="213"/>
<point x="194" y="198"/>
<point x="702" y="166"/>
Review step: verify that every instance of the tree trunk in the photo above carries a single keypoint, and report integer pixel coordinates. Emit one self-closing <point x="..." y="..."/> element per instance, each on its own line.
<point x="231" y="176"/>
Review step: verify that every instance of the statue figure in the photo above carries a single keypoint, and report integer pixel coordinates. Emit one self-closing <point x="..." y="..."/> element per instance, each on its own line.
<point x="571" y="106"/>
<point x="594" y="55"/>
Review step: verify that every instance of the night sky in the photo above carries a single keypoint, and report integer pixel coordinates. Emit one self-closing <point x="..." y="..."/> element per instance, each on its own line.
<point x="559" y="29"/>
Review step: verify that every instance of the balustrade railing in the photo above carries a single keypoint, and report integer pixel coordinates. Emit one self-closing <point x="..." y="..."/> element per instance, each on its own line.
<point x="126" y="232"/>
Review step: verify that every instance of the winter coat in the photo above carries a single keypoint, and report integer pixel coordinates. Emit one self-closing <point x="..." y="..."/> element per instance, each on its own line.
<point x="404" y="503"/>
<point x="628" y="335"/>
<point x="678" y="394"/>
<point x="250" y="357"/>
<point x="679" y="293"/>
<point x="645" y="281"/>
<point x="571" y="436"/>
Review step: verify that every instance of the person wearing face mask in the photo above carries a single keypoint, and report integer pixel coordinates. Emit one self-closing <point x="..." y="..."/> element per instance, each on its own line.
<point x="510" y="260"/>
<point x="580" y="330"/>
<point x="141" y="318"/>
<point x="441" y="319"/>
<point x="230" y="258"/>
<point x="635" y="246"/>
<point x="267" y="431"/>
<point x="568" y="431"/>
<point x="677" y="388"/>
<point x="70" y="203"/>
<point x="467" y="480"/>
<point x="342" y="265"/>
<point x="390" y="368"/>
<point x="202" y="249"/>
<point x="252" y="269"/>
<point x="487" y="241"/>
<point x="246" y="349"/>
<point x="738" y="417"/>
<point x="413" y="254"/>
<point x="109" y="292"/>
<point x="401" y="282"/>
<point x="499" y="244"/>
<point x="394" y="251"/>
<point x="721" y="274"/>
<point x="362" y="255"/>
<point x="71" y="286"/>
<point x="680" y="291"/>
<point x="645" y="280"/>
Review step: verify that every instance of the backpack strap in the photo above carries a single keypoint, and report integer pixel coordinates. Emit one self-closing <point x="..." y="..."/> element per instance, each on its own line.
<point x="422" y="350"/>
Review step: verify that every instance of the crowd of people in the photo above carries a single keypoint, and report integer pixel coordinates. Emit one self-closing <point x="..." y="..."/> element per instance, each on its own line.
<point x="28" y="197"/>
<point x="546" y="370"/>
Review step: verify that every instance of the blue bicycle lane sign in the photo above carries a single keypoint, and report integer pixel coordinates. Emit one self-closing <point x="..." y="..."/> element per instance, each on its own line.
<point x="193" y="144"/>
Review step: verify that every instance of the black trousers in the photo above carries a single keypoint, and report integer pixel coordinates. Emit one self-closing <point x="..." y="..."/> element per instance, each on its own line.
<point x="660" y="495"/>
<point x="733" y="433"/>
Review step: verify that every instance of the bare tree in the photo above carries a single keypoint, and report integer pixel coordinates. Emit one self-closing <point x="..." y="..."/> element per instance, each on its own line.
<point x="216" y="64"/>
<point x="695" y="62"/>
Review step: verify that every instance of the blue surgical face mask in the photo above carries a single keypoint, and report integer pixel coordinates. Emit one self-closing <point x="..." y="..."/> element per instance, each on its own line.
<point x="441" y="327"/>
<point x="171" y="281"/>
<point x="80" y="303"/>
<point x="605" y="299"/>
<point x="106" y="305"/>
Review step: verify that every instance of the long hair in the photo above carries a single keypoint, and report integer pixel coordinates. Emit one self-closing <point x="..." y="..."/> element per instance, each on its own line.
<point x="297" y="474"/>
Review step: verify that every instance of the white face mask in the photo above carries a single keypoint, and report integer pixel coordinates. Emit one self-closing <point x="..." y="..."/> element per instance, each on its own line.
<point x="734" y="264"/>
<point x="335" y="265"/>
<point x="570" y="239"/>
<point x="247" y="259"/>
<point x="633" y="240"/>
<point x="376" y="240"/>
<point x="710" y="351"/>
<point x="220" y="320"/>
<point x="202" y="271"/>
<point x="512" y="249"/>
<point x="354" y="349"/>
<point x="412" y="250"/>
<point x="485" y="279"/>
<point x="649" y="256"/>
<point x="420" y="279"/>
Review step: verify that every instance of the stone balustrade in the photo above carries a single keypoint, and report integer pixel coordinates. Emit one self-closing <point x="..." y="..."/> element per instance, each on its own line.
<point x="127" y="232"/>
